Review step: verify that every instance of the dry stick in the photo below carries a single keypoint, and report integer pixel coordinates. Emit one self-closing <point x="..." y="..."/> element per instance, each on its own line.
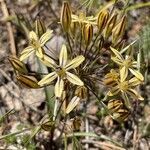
<point x="9" y="28"/>
<point x="103" y="144"/>
<point x="135" y="135"/>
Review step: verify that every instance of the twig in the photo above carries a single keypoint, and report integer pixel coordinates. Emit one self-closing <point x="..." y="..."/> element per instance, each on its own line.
<point x="9" y="28"/>
<point x="104" y="145"/>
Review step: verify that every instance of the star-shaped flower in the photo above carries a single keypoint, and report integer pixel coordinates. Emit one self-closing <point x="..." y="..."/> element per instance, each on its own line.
<point x="126" y="64"/>
<point x="61" y="71"/>
<point x="126" y="87"/>
<point x="82" y="18"/>
<point x="36" y="44"/>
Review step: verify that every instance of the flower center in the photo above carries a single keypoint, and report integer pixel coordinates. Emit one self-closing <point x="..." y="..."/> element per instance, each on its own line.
<point x="35" y="44"/>
<point x="61" y="72"/>
<point x="123" y="85"/>
<point x="128" y="62"/>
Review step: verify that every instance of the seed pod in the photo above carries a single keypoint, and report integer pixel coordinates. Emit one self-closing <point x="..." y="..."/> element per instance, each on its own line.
<point x="114" y="104"/>
<point x="109" y="26"/>
<point x="119" y="30"/>
<point x="47" y="126"/>
<point x="18" y="65"/>
<point x="102" y="19"/>
<point x="121" y="115"/>
<point x="28" y="81"/>
<point x="66" y="16"/>
<point x="40" y="28"/>
<point x="87" y="33"/>
<point x="81" y="91"/>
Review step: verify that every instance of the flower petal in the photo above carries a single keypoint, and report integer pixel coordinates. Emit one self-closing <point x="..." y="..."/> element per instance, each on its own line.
<point x="48" y="79"/>
<point x="74" y="79"/>
<point x="48" y="62"/>
<point x="115" y="90"/>
<point x="40" y="52"/>
<point x="123" y="73"/>
<point x="63" y="56"/>
<point x="26" y="53"/>
<point x="118" y="55"/>
<point x="137" y="74"/>
<point x="33" y="36"/>
<point x="117" y="61"/>
<point x="134" y="82"/>
<point x="73" y="103"/>
<point x="59" y="87"/>
<point x="134" y="94"/>
<point x="45" y="37"/>
<point x="75" y="62"/>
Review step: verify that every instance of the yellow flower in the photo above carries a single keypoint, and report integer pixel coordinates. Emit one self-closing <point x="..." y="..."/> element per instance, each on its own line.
<point x="126" y="64"/>
<point x="82" y="18"/>
<point x="61" y="71"/>
<point x="36" y="44"/>
<point x="126" y="88"/>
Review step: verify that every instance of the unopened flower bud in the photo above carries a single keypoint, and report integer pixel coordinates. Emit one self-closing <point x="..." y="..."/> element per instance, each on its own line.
<point x="81" y="91"/>
<point x="28" y="81"/>
<point x="114" y="104"/>
<point x="109" y="26"/>
<point x="73" y="28"/>
<point x="121" y="115"/>
<point x="66" y="16"/>
<point x="102" y="19"/>
<point x="118" y="30"/>
<point x="40" y="28"/>
<point x="18" y="65"/>
<point x="87" y="32"/>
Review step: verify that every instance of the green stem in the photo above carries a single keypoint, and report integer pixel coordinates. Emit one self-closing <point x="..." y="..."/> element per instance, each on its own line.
<point x="47" y="90"/>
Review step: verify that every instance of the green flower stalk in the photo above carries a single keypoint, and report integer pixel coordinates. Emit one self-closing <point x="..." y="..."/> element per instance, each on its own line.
<point x="61" y="71"/>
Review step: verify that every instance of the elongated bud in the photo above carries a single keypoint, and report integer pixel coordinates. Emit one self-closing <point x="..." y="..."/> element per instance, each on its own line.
<point x="121" y="115"/>
<point x="81" y="91"/>
<point x="109" y="26"/>
<point x="66" y="16"/>
<point x="18" y="65"/>
<point x="40" y="28"/>
<point x="102" y="19"/>
<point x="87" y="32"/>
<point x="114" y="104"/>
<point x="73" y="28"/>
<point x="119" y="30"/>
<point x="28" y="81"/>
